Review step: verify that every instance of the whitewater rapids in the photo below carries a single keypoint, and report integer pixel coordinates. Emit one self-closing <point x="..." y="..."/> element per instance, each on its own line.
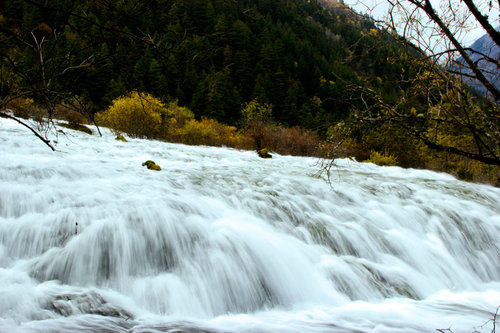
<point x="223" y="241"/>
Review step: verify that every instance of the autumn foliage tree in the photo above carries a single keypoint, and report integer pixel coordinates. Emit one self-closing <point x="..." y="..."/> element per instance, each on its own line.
<point x="137" y="114"/>
<point x="434" y="105"/>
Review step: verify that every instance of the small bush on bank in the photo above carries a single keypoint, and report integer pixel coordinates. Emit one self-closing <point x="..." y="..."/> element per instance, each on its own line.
<point x="142" y="115"/>
<point x="382" y="159"/>
<point x="176" y="117"/>
<point x="137" y="114"/>
<point x="259" y="127"/>
<point x="286" y="141"/>
<point x="73" y="117"/>
<point x="209" y="132"/>
<point x="294" y="141"/>
<point x="180" y="114"/>
<point x="25" y="108"/>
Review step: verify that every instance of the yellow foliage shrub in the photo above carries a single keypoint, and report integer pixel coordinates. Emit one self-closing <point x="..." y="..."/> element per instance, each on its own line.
<point x="23" y="107"/>
<point x="208" y="132"/>
<point x="138" y="115"/>
<point x="195" y="132"/>
<point x="181" y="114"/>
<point x="462" y="167"/>
<point x="20" y="103"/>
<point x="382" y="159"/>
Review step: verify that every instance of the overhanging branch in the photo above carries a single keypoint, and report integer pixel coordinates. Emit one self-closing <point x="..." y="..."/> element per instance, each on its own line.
<point x="4" y="114"/>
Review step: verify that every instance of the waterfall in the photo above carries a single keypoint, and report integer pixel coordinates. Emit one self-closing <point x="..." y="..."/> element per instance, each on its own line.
<point x="223" y="241"/>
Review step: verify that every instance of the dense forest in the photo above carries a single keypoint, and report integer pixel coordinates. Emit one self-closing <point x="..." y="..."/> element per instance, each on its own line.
<point x="214" y="57"/>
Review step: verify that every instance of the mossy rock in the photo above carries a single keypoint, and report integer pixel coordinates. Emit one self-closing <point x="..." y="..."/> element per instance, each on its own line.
<point x="155" y="167"/>
<point x="264" y="153"/>
<point x="151" y="165"/>
<point x="148" y="163"/>
<point x="120" y="137"/>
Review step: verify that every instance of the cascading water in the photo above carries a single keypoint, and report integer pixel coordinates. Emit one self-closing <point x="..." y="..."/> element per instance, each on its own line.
<point x="222" y="241"/>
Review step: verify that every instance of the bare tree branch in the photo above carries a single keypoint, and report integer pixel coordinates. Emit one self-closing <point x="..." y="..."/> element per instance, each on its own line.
<point x="4" y="114"/>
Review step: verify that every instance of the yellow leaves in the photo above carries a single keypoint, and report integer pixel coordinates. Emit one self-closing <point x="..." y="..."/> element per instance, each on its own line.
<point x="45" y="27"/>
<point x="70" y="35"/>
<point x="194" y="131"/>
<point x="137" y="114"/>
<point x="208" y="132"/>
<point x="24" y="108"/>
<point x="426" y="75"/>
<point x="430" y="77"/>
<point x="20" y="103"/>
<point x="324" y="81"/>
<point x="384" y="159"/>
<point x="180" y="114"/>
<point x="316" y="101"/>
<point x="435" y="110"/>
<point x="142" y="115"/>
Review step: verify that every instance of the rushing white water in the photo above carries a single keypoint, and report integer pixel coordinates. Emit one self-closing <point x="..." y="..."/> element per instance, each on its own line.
<point x="223" y="241"/>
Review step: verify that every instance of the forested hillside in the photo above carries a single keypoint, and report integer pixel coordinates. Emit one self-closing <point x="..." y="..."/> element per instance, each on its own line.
<point x="212" y="56"/>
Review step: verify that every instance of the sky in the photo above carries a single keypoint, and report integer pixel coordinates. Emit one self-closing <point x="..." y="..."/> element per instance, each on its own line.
<point x="378" y="10"/>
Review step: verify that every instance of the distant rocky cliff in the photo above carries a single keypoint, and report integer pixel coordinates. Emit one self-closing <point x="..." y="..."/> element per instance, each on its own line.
<point x="484" y="46"/>
<point x="331" y="3"/>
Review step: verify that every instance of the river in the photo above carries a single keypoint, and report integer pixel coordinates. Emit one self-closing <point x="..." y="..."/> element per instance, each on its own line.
<point x="220" y="241"/>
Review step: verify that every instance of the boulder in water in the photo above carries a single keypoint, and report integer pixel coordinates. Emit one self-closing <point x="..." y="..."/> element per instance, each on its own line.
<point x="120" y="137"/>
<point x="264" y="153"/>
<point x="151" y="165"/>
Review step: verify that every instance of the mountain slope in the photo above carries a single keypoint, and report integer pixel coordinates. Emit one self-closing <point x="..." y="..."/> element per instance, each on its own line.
<point x="484" y="46"/>
<point x="212" y="56"/>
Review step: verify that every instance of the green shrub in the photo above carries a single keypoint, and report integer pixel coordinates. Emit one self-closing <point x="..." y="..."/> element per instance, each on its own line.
<point x="254" y="111"/>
